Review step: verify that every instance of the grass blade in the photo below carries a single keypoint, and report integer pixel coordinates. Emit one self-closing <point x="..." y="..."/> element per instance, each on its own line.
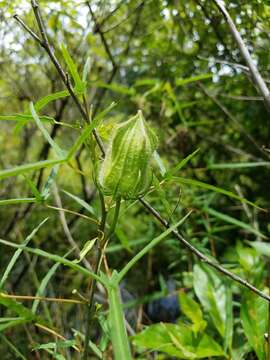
<point x="17" y="170"/>
<point x="25" y="118"/>
<point x="45" y="133"/>
<point x="181" y="82"/>
<point x="203" y="185"/>
<point x="81" y="202"/>
<point x="232" y="220"/>
<point x="17" y="201"/>
<point x="241" y="165"/>
<point x="181" y="164"/>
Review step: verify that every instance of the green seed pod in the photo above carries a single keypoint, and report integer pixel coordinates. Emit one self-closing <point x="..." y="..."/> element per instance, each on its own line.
<point x="126" y="170"/>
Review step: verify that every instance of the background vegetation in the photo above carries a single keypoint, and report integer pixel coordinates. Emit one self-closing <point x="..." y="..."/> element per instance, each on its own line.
<point x="178" y="62"/>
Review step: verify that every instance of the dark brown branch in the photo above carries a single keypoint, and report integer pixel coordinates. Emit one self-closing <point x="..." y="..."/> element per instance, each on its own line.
<point x="201" y="256"/>
<point x="102" y="37"/>
<point x="27" y="28"/>
<point x="106" y="18"/>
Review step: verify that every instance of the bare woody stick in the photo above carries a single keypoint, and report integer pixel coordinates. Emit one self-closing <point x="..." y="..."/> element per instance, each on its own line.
<point x="257" y="78"/>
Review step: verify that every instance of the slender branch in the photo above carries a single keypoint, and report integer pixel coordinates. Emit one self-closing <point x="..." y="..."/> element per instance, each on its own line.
<point x="44" y="42"/>
<point x="105" y="19"/>
<point x="214" y="25"/>
<point x="257" y="78"/>
<point x="201" y="256"/>
<point x="27" y="28"/>
<point x="102" y="37"/>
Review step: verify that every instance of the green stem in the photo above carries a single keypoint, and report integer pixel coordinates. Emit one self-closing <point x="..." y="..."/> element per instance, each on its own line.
<point x="102" y="245"/>
<point x="120" y="343"/>
<point x="116" y="216"/>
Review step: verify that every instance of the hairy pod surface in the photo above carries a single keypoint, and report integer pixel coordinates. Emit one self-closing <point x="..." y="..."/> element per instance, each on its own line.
<point x="126" y="170"/>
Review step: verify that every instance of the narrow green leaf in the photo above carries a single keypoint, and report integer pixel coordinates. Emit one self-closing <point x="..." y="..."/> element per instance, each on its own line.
<point x="241" y="165"/>
<point x="41" y="103"/>
<point x="45" y="133"/>
<point x="81" y="202"/>
<point x="48" y="184"/>
<point x="87" y="247"/>
<point x="160" y="163"/>
<point x="232" y="220"/>
<point x="181" y="82"/>
<point x="80" y="86"/>
<point x="228" y="335"/>
<point x="25" y="118"/>
<point x="56" y="345"/>
<point x="222" y="191"/>
<point x="118" y="88"/>
<point x="181" y="164"/>
<point x="7" y="202"/>
<point x="144" y="82"/>
<point x="17" y="170"/>
<point x="33" y="188"/>
<point x="17" y="308"/>
<point x="86" y="69"/>
<point x="13" y="323"/>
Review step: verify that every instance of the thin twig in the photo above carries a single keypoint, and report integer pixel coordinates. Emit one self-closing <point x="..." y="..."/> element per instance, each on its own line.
<point x="41" y="298"/>
<point x="201" y="256"/>
<point x="102" y="37"/>
<point x="44" y="42"/>
<point x="257" y="78"/>
<point x="27" y="28"/>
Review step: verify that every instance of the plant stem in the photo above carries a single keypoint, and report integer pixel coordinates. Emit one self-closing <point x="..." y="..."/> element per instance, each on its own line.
<point x="101" y="249"/>
<point x="116" y="216"/>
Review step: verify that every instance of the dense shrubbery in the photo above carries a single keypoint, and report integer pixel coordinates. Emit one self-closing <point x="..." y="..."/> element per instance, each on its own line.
<point x="72" y="241"/>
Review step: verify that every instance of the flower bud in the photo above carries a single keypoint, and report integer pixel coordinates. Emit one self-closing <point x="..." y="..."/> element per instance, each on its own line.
<point x="126" y="170"/>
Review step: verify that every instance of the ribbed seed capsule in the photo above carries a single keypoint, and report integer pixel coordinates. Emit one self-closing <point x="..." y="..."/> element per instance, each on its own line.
<point x="126" y="170"/>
